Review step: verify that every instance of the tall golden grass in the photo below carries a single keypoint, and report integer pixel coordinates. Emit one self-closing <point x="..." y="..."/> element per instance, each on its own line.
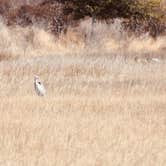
<point x="101" y="108"/>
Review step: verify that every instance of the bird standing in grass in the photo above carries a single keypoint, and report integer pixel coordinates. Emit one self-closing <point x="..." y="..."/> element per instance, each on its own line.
<point x="39" y="87"/>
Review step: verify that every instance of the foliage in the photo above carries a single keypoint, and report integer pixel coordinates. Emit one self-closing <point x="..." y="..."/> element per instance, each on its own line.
<point x="117" y="8"/>
<point x="143" y="15"/>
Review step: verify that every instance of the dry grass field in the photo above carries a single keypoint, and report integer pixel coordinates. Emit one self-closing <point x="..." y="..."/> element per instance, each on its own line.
<point x="101" y="108"/>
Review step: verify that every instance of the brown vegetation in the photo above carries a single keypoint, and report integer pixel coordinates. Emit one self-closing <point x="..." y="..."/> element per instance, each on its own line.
<point x="100" y="111"/>
<point x="55" y="16"/>
<point x="105" y="102"/>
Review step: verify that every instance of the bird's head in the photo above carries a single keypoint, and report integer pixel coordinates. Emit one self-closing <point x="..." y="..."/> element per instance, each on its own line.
<point x="36" y="78"/>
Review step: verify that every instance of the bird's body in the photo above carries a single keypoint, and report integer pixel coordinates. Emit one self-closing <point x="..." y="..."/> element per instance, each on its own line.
<point x="155" y="60"/>
<point x="39" y="87"/>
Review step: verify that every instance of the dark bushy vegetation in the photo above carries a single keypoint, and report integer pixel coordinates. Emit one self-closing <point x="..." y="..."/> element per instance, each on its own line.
<point x="104" y="9"/>
<point x="139" y="16"/>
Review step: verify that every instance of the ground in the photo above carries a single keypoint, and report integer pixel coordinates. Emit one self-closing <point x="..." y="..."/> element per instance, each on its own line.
<point x="100" y="109"/>
<point x="92" y="115"/>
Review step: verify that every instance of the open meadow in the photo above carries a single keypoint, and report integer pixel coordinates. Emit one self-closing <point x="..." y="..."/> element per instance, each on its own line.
<point x="103" y="106"/>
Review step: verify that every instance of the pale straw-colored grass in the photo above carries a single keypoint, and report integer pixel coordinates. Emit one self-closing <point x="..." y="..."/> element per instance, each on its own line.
<point x="100" y="110"/>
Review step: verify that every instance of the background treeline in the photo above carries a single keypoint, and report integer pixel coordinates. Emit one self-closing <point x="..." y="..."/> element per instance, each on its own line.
<point x="104" y="9"/>
<point x="139" y="16"/>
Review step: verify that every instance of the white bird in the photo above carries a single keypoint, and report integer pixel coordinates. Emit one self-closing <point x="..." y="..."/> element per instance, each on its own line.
<point x="39" y="87"/>
<point x="155" y="60"/>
